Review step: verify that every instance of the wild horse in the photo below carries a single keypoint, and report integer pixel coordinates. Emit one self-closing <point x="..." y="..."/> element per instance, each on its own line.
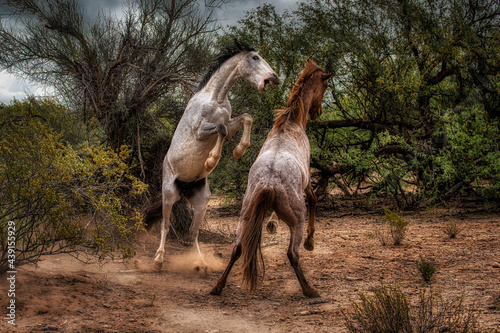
<point x="196" y="146"/>
<point x="278" y="179"/>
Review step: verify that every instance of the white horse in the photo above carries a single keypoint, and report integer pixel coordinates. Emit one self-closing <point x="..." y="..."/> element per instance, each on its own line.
<point x="197" y="142"/>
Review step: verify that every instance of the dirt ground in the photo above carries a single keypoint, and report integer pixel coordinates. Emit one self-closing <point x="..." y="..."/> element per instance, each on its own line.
<point x="63" y="294"/>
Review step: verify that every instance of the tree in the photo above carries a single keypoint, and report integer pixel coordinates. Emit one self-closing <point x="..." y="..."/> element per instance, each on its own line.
<point x="115" y="70"/>
<point x="409" y="77"/>
<point x="403" y="67"/>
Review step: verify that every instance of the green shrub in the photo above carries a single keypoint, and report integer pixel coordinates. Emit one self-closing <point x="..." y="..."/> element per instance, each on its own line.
<point x="61" y="199"/>
<point x="388" y="310"/>
<point x="426" y="268"/>
<point x="397" y="228"/>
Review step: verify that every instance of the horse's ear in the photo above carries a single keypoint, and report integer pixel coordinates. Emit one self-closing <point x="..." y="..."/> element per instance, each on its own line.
<point x="326" y="76"/>
<point x="238" y="45"/>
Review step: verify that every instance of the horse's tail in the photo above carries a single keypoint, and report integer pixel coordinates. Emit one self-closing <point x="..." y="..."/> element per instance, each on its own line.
<point x="153" y="214"/>
<point x="251" y="234"/>
<point x="181" y="215"/>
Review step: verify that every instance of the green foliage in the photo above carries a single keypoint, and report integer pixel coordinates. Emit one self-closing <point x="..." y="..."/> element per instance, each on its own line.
<point x="426" y="268"/>
<point x="59" y="198"/>
<point x="387" y="309"/>
<point x="406" y="78"/>
<point x="406" y="118"/>
<point x="397" y="225"/>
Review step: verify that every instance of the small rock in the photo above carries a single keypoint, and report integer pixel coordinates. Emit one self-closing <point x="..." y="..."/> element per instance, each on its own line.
<point x="317" y="301"/>
<point x="496" y="265"/>
<point x="189" y="306"/>
<point x="350" y="278"/>
<point x="50" y="328"/>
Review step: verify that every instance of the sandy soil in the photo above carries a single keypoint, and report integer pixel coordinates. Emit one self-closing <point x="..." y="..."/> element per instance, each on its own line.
<point x="63" y="294"/>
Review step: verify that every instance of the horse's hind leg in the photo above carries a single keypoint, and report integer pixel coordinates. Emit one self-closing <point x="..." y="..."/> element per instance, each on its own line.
<point x="311" y="200"/>
<point x="296" y="232"/>
<point x="235" y="255"/>
<point x="170" y="195"/>
<point x="198" y="197"/>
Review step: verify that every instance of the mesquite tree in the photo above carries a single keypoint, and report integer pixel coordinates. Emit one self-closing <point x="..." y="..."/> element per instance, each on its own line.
<point x="112" y="68"/>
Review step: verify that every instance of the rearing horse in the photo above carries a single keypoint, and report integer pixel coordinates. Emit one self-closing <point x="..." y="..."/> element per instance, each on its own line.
<point x="196" y="145"/>
<point x="277" y="180"/>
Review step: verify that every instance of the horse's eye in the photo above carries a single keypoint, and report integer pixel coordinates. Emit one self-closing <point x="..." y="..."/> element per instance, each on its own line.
<point x="255" y="57"/>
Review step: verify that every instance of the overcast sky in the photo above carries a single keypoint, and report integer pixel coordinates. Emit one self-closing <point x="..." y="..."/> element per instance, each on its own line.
<point x="14" y="87"/>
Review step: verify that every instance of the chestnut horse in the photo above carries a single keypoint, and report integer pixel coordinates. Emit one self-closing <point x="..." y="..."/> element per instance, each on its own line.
<point x="206" y="123"/>
<point x="278" y="179"/>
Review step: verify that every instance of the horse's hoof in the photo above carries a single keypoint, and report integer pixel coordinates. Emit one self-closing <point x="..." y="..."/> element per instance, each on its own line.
<point x="209" y="166"/>
<point x="157" y="265"/>
<point x="201" y="268"/>
<point x="272" y="227"/>
<point x="238" y="152"/>
<point x="216" y="291"/>
<point x="309" y="244"/>
<point x="312" y="293"/>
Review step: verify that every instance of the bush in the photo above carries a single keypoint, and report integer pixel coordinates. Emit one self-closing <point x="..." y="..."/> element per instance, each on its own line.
<point x="452" y="229"/>
<point x="426" y="268"/>
<point x="60" y="199"/>
<point x="397" y="228"/>
<point x="388" y="310"/>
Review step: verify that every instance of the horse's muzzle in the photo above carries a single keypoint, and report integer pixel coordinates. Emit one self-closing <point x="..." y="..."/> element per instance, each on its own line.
<point x="272" y="80"/>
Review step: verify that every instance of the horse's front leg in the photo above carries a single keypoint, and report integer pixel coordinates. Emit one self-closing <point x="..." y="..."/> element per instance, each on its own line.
<point x="233" y="126"/>
<point x="206" y="130"/>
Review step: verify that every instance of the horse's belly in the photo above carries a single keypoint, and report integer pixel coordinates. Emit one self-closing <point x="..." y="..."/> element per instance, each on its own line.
<point x="188" y="168"/>
<point x="187" y="163"/>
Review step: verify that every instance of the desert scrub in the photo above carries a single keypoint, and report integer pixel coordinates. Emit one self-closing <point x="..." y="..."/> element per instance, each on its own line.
<point x="452" y="228"/>
<point x="426" y="268"/>
<point x="61" y="198"/>
<point x="387" y="309"/>
<point x="396" y="228"/>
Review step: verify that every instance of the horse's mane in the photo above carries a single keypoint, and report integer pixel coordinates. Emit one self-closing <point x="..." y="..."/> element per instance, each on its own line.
<point x="294" y="110"/>
<point x="222" y="57"/>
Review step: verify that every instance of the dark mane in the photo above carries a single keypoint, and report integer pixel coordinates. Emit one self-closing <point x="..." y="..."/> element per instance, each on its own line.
<point x="222" y="57"/>
<point x="294" y="110"/>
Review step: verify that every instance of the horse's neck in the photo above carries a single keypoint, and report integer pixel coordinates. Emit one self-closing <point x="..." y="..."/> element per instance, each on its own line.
<point x="296" y="112"/>
<point x="306" y="100"/>
<point x="222" y="81"/>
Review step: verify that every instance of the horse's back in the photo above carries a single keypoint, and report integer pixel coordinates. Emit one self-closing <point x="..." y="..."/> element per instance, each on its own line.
<point x="284" y="159"/>
<point x="283" y="164"/>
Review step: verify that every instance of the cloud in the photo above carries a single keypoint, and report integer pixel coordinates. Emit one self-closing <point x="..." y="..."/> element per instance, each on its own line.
<point x="236" y="10"/>
<point x="19" y="88"/>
